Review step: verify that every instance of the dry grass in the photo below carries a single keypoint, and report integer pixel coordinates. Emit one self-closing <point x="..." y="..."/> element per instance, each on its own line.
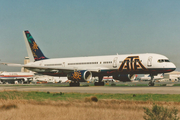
<point x="76" y="110"/>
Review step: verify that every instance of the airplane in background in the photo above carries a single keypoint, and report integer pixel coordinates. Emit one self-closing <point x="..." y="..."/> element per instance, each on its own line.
<point x="147" y="77"/>
<point x="15" y="77"/>
<point x="48" y="79"/>
<point x="77" y="69"/>
<point x="110" y="78"/>
<point x="64" y="80"/>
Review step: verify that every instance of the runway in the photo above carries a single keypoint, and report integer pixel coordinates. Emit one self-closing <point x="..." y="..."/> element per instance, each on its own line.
<point x="98" y="89"/>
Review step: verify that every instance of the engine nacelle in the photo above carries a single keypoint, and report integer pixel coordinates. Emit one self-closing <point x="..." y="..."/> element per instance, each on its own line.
<point x="122" y="77"/>
<point x="80" y="75"/>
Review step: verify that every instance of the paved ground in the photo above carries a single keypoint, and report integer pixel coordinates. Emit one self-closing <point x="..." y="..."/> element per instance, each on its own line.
<point x="97" y="89"/>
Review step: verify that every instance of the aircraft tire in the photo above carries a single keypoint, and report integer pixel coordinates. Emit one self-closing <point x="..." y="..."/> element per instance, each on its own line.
<point x="151" y="83"/>
<point x="99" y="84"/>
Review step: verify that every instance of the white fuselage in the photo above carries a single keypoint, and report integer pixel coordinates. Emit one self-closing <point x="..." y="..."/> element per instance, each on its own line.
<point x="148" y="63"/>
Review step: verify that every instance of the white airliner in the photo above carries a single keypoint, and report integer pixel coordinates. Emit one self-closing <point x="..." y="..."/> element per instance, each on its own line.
<point x="77" y="69"/>
<point x="11" y="77"/>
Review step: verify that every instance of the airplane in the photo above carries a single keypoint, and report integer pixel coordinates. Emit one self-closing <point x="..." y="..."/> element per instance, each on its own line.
<point x="46" y="78"/>
<point x="64" y="79"/>
<point x="110" y="78"/>
<point x="12" y="77"/>
<point x="78" y="69"/>
<point x="147" y="77"/>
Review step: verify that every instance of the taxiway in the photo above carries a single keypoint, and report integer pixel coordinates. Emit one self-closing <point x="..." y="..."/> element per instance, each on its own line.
<point x="98" y="89"/>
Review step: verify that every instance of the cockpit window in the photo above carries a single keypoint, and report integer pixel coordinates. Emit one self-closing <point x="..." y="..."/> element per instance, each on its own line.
<point x="163" y="60"/>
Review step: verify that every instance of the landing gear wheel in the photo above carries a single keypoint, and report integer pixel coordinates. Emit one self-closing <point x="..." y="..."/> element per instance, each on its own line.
<point x="100" y="83"/>
<point x="74" y="84"/>
<point x="151" y="83"/>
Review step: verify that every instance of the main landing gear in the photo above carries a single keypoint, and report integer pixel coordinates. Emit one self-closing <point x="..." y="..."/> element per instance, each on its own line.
<point x="151" y="83"/>
<point x="74" y="83"/>
<point x="99" y="83"/>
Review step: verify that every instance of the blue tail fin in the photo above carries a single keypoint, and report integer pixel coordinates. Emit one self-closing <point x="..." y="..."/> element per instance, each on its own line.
<point x="35" y="50"/>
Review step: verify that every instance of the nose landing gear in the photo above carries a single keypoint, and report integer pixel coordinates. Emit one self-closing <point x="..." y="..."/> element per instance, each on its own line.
<point x="151" y="83"/>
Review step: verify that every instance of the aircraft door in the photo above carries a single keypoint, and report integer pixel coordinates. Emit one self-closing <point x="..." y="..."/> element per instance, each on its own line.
<point x="63" y="64"/>
<point x="149" y="62"/>
<point x="115" y="62"/>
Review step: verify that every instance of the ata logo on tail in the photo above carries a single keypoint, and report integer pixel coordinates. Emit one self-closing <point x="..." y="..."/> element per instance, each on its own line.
<point x="131" y="63"/>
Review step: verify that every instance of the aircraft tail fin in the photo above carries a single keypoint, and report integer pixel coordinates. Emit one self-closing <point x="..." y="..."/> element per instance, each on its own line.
<point x="34" y="52"/>
<point x="162" y="75"/>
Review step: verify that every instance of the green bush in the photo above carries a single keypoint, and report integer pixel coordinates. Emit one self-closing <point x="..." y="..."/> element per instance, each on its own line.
<point x="91" y="99"/>
<point x="160" y="113"/>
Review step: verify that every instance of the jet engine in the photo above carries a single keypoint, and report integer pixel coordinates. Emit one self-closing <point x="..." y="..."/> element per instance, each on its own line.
<point x="80" y="75"/>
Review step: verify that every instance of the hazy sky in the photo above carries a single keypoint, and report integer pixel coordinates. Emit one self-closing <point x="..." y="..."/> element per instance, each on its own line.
<point x="72" y="28"/>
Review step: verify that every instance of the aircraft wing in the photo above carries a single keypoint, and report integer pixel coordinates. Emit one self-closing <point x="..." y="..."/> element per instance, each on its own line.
<point x="57" y="68"/>
<point x="11" y="64"/>
<point x="48" y="68"/>
<point x="37" y="67"/>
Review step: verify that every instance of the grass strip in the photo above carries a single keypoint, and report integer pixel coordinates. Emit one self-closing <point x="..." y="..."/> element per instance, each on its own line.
<point x="41" y="96"/>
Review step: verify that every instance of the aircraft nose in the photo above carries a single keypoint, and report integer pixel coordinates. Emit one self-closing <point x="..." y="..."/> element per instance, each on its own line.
<point x="172" y="66"/>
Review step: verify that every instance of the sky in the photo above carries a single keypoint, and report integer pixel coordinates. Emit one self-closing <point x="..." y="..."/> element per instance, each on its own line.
<point x="73" y="28"/>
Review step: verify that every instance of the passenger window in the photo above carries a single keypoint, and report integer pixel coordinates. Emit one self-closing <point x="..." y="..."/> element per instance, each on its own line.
<point x="163" y="60"/>
<point x="160" y="60"/>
